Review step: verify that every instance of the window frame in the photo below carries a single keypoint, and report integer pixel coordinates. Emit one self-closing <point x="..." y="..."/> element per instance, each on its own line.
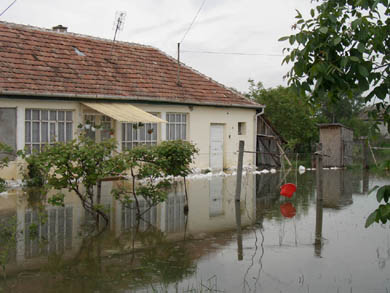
<point x="103" y="132"/>
<point x="49" y="125"/>
<point x="241" y="128"/>
<point x="137" y="137"/>
<point x="173" y="125"/>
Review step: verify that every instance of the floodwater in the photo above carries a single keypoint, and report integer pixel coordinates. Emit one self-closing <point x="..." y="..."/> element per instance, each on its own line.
<point x="265" y="243"/>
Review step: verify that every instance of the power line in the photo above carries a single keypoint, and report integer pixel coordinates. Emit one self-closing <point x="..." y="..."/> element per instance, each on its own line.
<point x="232" y="53"/>
<point x="193" y="21"/>
<point x="9" y="6"/>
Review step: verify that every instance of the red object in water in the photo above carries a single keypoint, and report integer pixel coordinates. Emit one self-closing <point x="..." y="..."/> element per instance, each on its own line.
<point x="288" y="210"/>
<point x="288" y="189"/>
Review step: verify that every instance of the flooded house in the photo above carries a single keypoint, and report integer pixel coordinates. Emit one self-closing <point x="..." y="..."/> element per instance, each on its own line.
<point x="52" y="81"/>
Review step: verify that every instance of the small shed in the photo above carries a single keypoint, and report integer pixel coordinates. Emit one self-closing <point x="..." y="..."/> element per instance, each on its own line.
<point x="337" y="144"/>
<point x="268" y="144"/>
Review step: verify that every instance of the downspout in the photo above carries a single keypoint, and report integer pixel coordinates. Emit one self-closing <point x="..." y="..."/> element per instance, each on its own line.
<point x="255" y="144"/>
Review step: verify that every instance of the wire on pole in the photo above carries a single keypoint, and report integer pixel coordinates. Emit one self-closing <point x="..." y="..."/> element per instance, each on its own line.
<point x="9" y="6"/>
<point x="193" y="21"/>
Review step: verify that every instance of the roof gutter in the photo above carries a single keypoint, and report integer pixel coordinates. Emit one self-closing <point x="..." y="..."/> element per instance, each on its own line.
<point x="255" y="136"/>
<point x="123" y="98"/>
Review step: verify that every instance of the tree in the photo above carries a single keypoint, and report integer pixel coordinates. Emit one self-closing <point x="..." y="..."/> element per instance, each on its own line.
<point x="5" y="151"/>
<point x="347" y="112"/>
<point x="292" y="116"/>
<point x="343" y="50"/>
<point x="79" y="165"/>
<point x="154" y="167"/>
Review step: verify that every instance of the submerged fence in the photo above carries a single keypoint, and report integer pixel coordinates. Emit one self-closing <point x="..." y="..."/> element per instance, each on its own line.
<point x="360" y="152"/>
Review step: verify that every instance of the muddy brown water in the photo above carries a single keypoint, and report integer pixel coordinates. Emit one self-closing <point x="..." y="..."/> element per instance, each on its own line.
<point x="282" y="245"/>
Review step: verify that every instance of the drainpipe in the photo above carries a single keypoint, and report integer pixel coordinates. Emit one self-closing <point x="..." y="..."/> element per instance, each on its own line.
<point x="255" y="144"/>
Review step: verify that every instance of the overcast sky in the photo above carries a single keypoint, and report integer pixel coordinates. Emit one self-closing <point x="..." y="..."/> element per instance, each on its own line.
<point x="233" y="26"/>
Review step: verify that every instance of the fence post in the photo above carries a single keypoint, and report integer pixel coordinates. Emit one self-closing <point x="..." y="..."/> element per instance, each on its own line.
<point x="239" y="231"/>
<point x="239" y="169"/>
<point x="319" y="206"/>
<point x="98" y="200"/>
<point x="365" y="152"/>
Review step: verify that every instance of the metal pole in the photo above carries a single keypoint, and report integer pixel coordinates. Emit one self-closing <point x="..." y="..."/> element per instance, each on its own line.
<point x="178" y="65"/>
<point x="239" y="169"/>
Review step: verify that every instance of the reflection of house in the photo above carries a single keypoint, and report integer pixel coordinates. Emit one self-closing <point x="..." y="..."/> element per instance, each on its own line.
<point x="50" y="82"/>
<point x="60" y="233"/>
<point x="337" y="188"/>
<point x="54" y="229"/>
<point x="337" y="145"/>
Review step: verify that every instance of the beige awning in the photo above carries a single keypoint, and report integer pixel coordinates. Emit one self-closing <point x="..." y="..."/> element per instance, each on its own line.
<point x="124" y="112"/>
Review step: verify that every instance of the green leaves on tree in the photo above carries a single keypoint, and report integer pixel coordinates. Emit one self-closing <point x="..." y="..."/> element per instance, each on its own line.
<point x="382" y="213"/>
<point x="341" y="50"/>
<point x="79" y="165"/>
<point x="5" y="151"/>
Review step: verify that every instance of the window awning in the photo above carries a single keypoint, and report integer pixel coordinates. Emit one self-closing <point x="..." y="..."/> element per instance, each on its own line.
<point x="124" y="112"/>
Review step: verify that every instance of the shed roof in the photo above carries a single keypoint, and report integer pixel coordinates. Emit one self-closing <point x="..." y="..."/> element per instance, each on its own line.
<point x="332" y="125"/>
<point x="44" y="63"/>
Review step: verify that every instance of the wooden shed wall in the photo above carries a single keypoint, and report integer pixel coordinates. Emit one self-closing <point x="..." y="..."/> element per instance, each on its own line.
<point x="268" y="153"/>
<point x="337" y="145"/>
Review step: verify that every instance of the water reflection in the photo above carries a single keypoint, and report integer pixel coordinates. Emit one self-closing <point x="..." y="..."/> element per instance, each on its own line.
<point x="337" y="188"/>
<point x="247" y="246"/>
<point x="46" y="231"/>
<point x="318" y="242"/>
<point x="239" y="230"/>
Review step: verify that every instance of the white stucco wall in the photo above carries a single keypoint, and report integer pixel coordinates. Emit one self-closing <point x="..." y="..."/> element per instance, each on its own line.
<point x="198" y="130"/>
<point x="199" y="119"/>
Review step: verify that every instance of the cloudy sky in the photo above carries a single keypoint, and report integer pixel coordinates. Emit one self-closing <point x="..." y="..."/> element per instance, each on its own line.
<point x="248" y="27"/>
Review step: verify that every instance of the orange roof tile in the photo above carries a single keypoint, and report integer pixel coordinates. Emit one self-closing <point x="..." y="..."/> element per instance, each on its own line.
<point x="41" y="62"/>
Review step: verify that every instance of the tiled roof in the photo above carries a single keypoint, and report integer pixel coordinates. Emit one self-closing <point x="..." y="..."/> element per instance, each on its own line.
<point x="41" y="62"/>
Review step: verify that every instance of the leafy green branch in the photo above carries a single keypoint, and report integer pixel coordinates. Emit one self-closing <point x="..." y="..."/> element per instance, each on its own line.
<point x="5" y="152"/>
<point x="382" y="213"/>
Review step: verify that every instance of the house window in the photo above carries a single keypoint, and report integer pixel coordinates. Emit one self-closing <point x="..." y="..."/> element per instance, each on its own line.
<point x="98" y="127"/>
<point x="134" y="134"/>
<point x="241" y="128"/>
<point x="106" y="128"/>
<point x="43" y="127"/>
<point x="176" y="126"/>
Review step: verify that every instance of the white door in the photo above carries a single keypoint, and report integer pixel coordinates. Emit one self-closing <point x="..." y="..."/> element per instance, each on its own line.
<point x="216" y="146"/>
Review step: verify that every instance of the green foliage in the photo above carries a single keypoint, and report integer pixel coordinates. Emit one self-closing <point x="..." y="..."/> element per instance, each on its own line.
<point x="342" y="51"/>
<point x="34" y="175"/>
<point x="4" y="150"/>
<point x="73" y="165"/>
<point x="81" y="164"/>
<point x="8" y="234"/>
<point x="175" y="157"/>
<point x="150" y="167"/>
<point x="382" y="213"/>
<point x="2" y="185"/>
<point x="291" y="115"/>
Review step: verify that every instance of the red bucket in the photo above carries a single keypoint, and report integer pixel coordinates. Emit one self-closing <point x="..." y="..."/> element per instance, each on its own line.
<point x="288" y="189"/>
